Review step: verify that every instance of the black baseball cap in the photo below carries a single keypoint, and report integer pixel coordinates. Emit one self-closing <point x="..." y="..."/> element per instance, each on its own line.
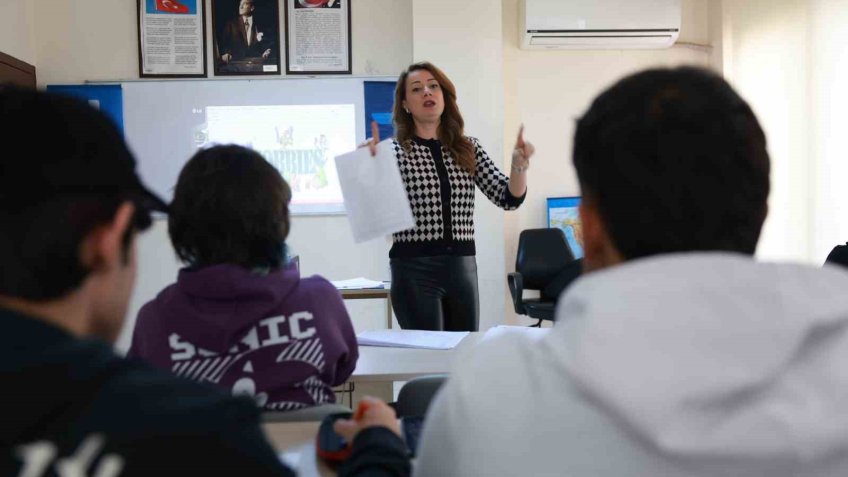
<point x="54" y="146"/>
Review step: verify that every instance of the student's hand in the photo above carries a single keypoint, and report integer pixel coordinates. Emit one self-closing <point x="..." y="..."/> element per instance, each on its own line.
<point x="522" y="152"/>
<point x="377" y="414"/>
<point x="375" y="138"/>
<point x="226" y="57"/>
<point x="266" y="54"/>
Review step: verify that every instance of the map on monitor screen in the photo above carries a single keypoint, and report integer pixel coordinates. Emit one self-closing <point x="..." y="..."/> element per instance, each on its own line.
<point x="563" y="214"/>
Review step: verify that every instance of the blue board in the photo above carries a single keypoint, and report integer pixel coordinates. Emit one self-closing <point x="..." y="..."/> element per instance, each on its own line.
<point x="379" y="99"/>
<point x="107" y="98"/>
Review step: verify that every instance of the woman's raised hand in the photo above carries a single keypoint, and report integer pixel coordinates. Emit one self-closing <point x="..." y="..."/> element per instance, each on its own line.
<point x="522" y="152"/>
<point x="374" y="140"/>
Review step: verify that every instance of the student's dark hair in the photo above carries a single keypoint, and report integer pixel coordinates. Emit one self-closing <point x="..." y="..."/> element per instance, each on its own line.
<point x="58" y="190"/>
<point x="40" y="244"/>
<point x="230" y="206"/>
<point x="675" y="161"/>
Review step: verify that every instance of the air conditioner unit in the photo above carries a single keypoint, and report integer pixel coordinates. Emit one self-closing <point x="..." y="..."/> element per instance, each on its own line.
<point x="599" y="24"/>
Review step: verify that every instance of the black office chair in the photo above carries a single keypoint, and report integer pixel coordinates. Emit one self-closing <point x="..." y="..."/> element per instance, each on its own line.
<point x="543" y="255"/>
<point x="838" y="256"/>
<point x="416" y="395"/>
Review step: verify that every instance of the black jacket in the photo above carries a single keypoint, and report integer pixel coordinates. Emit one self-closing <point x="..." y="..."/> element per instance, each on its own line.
<point x="233" y="40"/>
<point x="68" y="401"/>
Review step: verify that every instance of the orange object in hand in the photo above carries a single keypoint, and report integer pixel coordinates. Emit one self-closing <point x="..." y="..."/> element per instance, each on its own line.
<point x="360" y="411"/>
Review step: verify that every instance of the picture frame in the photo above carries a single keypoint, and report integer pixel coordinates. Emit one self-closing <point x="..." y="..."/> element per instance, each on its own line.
<point x="171" y="38"/>
<point x="307" y="54"/>
<point x="246" y="37"/>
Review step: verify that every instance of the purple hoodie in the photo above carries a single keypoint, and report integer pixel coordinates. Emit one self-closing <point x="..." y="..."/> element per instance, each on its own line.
<point x="279" y="338"/>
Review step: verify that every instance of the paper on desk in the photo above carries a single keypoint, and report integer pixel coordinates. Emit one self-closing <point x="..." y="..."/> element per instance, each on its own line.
<point x="374" y="196"/>
<point x="357" y="283"/>
<point x="411" y="338"/>
<point x="534" y="334"/>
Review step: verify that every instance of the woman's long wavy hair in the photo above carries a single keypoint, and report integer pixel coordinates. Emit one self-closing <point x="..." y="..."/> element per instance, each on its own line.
<point x="451" y="125"/>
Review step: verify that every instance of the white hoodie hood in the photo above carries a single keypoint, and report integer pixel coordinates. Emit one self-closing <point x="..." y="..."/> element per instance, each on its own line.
<point x="713" y="355"/>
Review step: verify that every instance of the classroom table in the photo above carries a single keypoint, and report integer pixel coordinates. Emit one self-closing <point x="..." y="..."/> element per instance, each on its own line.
<point x="377" y="366"/>
<point x="369" y="293"/>
<point x="383" y="364"/>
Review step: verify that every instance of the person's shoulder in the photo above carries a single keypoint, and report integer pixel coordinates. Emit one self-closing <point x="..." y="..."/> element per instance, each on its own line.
<point x="398" y="147"/>
<point x="98" y="391"/>
<point x="464" y="408"/>
<point x="318" y="291"/>
<point x="499" y="352"/>
<point x="316" y="284"/>
<point x="146" y="416"/>
<point x="164" y="295"/>
<point x="489" y="362"/>
<point x="473" y="140"/>
<point x="137" y="396"/>
<point x="475" y="143"/>
<point x="153" y="418"/>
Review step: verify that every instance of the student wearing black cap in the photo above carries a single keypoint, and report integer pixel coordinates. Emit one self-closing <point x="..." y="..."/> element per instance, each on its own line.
<point x="70" y="207"/>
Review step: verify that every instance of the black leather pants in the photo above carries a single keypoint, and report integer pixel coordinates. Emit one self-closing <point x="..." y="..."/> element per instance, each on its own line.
<point x="436" y="293"/>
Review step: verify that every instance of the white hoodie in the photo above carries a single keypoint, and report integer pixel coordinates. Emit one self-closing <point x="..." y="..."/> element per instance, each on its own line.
<point x="681" y="365"/>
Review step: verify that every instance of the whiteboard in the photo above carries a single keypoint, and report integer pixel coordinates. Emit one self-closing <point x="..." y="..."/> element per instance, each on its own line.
<point x="299" y="125"/>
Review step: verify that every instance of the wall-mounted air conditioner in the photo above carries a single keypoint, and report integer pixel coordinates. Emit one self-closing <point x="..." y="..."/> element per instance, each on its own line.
<point x="599" y="24"/>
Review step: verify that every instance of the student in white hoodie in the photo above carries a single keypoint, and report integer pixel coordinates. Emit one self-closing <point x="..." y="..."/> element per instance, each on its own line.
<point x="677" y="354"/>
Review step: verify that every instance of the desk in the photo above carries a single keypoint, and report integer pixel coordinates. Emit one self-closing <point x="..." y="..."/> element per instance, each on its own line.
<point x="367" y="293"/>
<point x="381" y="364"/>
<point x="376" y="366"/>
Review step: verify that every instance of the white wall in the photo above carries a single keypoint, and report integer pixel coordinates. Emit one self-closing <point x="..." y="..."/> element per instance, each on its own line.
<point x="464" y="40"/>
<point x="547" y="90"/>
<point x="788" y="59"/>
<point x="829" y="123"/>
<point x="16" y="30"/>
<point x="767" y="61"/>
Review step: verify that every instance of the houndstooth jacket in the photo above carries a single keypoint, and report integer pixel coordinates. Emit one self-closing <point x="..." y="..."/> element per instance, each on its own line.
<point x="441" y="195"/>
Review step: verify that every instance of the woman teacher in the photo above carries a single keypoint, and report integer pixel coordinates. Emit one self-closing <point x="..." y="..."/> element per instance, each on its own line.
<point x="434" y="269"/>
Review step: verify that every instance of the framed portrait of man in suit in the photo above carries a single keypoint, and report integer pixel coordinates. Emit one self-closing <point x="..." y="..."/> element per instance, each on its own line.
<point x="247" y="37"/>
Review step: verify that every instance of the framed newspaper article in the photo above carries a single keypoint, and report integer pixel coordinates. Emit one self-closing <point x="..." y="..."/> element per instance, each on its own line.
<point x="171" y="38"/>
<point x="318" y="37"/>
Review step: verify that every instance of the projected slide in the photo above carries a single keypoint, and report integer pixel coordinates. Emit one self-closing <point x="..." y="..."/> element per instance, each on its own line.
<point x="299" y="140"/>
<point x="299" y="124"/>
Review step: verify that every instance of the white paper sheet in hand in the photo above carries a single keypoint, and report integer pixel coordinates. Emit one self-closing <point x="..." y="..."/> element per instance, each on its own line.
<point x="374" y="195"/>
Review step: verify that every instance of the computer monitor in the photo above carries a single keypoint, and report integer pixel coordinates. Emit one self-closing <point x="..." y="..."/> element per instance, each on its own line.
<point x="563" y="214"/>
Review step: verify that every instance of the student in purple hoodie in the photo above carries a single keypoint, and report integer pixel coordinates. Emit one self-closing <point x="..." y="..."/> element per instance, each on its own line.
<point x="238" y="316"/>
